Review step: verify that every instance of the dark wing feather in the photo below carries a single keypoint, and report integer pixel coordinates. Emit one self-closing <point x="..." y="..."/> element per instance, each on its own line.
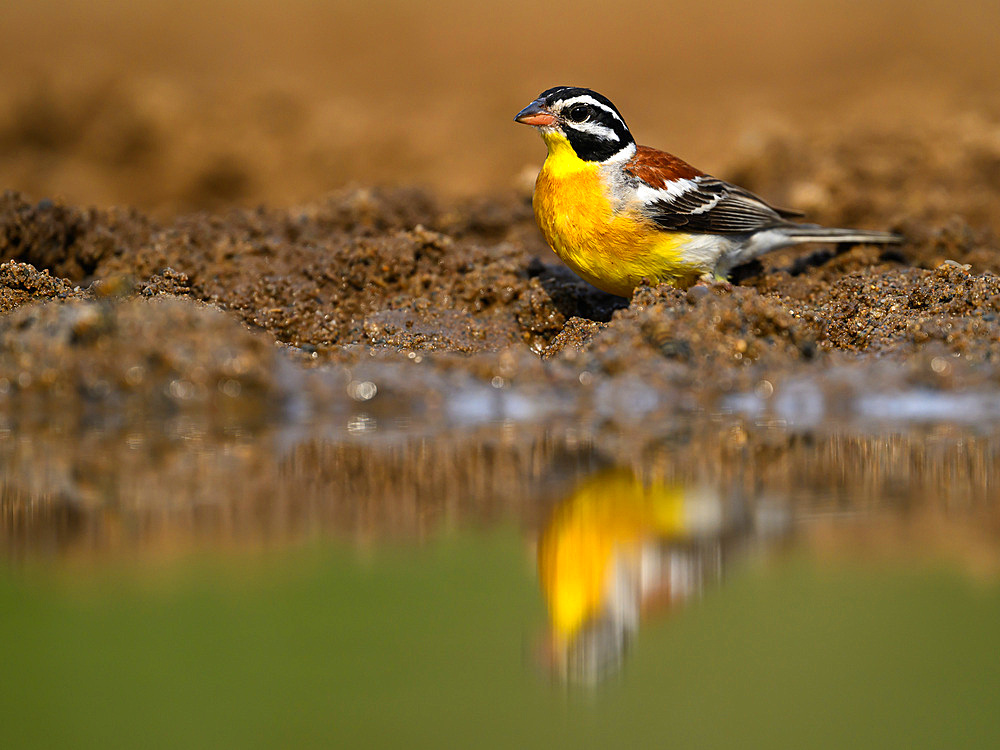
<point x="707" y="205"/>
<point x="716" y="207"/>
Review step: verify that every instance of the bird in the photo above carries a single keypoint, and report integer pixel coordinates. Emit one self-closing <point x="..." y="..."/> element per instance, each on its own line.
<point x="620" y="214"/>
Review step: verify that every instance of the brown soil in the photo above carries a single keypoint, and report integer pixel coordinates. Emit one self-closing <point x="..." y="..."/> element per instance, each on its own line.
<point x="400" y="270"/>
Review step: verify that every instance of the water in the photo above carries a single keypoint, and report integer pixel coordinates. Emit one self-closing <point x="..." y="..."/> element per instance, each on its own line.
<point x="504" y="575"/>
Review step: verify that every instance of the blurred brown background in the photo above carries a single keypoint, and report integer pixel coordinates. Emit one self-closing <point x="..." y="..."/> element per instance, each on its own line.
<point x="172" y="105"/>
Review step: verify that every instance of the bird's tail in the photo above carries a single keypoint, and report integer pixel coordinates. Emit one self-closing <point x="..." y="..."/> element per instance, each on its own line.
<point x="793" y="234"/>
<point x="775" y="238"/>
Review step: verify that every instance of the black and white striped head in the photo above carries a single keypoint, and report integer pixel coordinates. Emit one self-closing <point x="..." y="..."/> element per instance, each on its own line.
<point x="589" y="121"/>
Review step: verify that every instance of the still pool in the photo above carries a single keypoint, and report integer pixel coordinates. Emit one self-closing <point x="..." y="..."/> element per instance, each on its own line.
<point x="717" y="583"/>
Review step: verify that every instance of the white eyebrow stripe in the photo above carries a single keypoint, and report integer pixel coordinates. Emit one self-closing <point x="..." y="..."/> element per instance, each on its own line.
<point x="594" y="128"/>
<point x="587" y="99"/>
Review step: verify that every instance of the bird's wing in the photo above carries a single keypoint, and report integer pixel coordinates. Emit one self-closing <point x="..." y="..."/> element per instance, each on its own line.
<point x="677" y="196"/>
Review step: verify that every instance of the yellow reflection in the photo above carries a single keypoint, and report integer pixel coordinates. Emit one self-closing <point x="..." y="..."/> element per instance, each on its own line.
<point x="616" y="550"/>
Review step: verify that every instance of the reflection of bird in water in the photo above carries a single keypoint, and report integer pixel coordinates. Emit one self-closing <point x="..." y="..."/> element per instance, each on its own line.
<point x="613" y="551"/>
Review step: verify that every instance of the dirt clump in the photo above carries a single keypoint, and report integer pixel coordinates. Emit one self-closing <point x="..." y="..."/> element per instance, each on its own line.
<point x="903" y="310"/>
<point x="21" y="283"/>
<point x="69" y="242"/>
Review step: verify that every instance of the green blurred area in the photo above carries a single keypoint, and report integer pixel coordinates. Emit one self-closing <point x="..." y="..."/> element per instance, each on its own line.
<point x="433" y="647"/>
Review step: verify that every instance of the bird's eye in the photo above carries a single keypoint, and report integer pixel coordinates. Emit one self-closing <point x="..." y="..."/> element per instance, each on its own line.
<point x="577" y="113"/>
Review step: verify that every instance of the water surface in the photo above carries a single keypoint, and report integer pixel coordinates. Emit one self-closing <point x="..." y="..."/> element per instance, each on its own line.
<point x="499" y="582"/>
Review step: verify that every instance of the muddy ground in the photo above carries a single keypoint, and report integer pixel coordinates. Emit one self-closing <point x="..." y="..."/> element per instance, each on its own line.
<point x="403" y="272"/>
<point x="177" y="120"/>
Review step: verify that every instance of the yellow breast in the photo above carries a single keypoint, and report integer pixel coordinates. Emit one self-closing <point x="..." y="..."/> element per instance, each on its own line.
<point x="611" y="249"/>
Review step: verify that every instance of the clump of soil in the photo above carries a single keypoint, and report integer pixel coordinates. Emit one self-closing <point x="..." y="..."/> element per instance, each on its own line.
<point x="21" y="283"/>
<point x="903" y="310"/>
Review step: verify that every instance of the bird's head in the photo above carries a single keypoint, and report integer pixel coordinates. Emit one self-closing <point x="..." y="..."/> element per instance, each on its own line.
<point x="588" y="121"/>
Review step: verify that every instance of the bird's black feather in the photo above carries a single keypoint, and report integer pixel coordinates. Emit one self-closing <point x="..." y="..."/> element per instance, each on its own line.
<point x="716" y="207"/>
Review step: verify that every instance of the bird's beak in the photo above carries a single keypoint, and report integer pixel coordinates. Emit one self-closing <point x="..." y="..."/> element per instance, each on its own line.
<point x="536" y="114"/>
